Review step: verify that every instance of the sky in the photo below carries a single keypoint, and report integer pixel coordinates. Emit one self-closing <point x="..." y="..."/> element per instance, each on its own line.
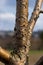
<point x="8" y="15"/>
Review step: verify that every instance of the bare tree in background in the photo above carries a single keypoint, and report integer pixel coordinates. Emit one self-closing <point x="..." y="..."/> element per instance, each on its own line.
<point x="23" y="30"/>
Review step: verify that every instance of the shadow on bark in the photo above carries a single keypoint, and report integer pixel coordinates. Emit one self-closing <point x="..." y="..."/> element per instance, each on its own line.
<point x="5" y="62"/>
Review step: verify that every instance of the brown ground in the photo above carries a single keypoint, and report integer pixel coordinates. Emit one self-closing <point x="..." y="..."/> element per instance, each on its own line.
<point x="34" y="57"/>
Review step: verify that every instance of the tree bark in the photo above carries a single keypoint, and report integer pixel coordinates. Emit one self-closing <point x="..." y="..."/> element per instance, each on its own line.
<point x="23" y="32"/>
<point x="34" y="16"/>
<point x="21" y="48"/>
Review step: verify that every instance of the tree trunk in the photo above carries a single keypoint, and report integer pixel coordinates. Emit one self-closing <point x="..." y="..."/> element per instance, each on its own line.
<point x="21" y="48"/>
<point x="23" y="32"/>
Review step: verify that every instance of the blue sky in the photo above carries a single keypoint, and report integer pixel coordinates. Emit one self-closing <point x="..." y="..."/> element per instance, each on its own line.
<point x="8" y="14"/>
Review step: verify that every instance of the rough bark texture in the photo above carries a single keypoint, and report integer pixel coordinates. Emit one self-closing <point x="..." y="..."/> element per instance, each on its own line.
<point x="23" y="32"/>
<point x="35" y="16"/>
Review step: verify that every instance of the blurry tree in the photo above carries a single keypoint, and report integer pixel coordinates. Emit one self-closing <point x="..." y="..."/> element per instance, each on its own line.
<point x="23" y="30"/>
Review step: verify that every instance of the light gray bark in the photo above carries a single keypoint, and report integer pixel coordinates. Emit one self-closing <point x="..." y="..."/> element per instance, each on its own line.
<point x="34" y="16"/>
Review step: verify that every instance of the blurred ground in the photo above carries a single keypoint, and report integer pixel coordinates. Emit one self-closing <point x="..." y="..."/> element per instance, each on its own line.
<point x="36" y="44"/>
<point x="35" y="56"/>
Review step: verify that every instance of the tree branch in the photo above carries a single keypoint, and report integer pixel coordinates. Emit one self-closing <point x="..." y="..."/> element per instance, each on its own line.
<point x="34" y="16"/>
<point x="6" y="57"/>
<point x="41" y="11"/>
<point x="4" y="53"/>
